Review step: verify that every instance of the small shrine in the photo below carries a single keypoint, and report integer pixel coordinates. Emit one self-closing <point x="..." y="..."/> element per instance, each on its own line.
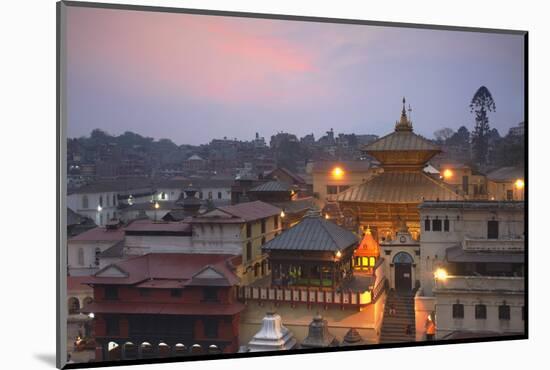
<point x="273" y="335"/>
<point x="367" y="254"/>
<point x="318" y="335"/>
<point x="352" y="338"/>
<point x="313" y="253"/>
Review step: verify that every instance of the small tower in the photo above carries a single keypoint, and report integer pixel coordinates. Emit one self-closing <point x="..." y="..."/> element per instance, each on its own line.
<point x="318" y="335"/>
<point x="273" y="336"/>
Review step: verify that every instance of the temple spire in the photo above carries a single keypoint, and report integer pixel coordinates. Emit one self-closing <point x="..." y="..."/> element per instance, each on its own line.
<point x="404" y="124"/>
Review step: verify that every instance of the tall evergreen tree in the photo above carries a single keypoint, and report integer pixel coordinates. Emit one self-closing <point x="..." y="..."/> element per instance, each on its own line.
<point x="481" y="104"/>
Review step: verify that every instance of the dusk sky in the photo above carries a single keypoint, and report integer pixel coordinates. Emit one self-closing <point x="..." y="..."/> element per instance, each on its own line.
<point x="192" y="78"/>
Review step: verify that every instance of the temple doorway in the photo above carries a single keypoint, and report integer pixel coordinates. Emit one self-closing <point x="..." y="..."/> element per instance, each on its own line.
<point x="403" y="272"/>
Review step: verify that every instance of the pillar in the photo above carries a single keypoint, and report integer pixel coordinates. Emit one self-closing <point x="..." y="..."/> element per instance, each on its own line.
<point x="122" y="350"/>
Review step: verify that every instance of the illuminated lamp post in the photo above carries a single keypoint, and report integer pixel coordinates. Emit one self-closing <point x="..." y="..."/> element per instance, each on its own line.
<point x="337" y="173"/>
<point x="99" y="209"/>
<point x="519" y="185"/>
<point x="157" y="206"/>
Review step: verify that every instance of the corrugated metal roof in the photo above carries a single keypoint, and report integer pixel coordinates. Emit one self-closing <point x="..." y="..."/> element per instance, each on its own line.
<point x="506" y="174"/>
<point x="251" y="211"/>
<point x="399" y="187"/>
<point x="401" y="141"/>
<point x="313" y="233"/>
<point x="271" y="186"/>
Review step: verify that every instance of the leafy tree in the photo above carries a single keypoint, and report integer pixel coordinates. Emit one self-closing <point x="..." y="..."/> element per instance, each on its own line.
<point x="460" y="138"/>
<point x="481" y="104"/>
<point x="443" y="134"/>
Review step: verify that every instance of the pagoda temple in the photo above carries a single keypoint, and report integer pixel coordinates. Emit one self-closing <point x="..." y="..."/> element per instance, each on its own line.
<point x="395" y="192"/>
<point x="367" y="254"/>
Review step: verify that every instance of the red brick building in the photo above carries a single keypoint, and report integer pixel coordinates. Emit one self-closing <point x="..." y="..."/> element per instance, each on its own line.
<point x="169" y="304"/>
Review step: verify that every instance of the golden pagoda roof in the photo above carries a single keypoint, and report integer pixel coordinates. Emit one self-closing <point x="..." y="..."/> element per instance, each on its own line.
<point x="368" y="247"/>
<point x="399" y="187"/>
<point x="402" y="139"/>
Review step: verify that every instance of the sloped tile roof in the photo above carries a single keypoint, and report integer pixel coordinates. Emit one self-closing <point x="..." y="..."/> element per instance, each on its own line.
<point x="399" y="187"/>
<point x="401" y="141"/>
<point x="313" y="233"/>
<point x="251" y="211"/>
<point x="271" y="186"/>
<point x="506" y="174"/>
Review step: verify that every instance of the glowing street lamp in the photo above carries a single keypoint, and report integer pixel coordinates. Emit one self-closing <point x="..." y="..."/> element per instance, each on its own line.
<point x="91" y="315"/>
<point x="99" y="208"/>
<point x="157" y="205"/>
<point x="283" y="214"/>
<point x="337" y="173"/>
<point x="441" y="274"/>
<point x="519" y="184"/>
<point x="447" y="174"/>
<point x="327" y="216"/>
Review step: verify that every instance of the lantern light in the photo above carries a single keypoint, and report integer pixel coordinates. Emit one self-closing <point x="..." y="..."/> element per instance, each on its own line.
<point x="338" y="254"/>
<point x="447" y="174"/>
<point x="282" y="214"/>
<point x="441" y="274"/>
<point x="157" y="205"/>
<point x="519" y="184"/>
<point x="337" y="172"/>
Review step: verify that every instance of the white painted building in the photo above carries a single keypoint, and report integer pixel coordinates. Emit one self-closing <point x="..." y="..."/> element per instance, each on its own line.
<point x="83" y="250"/>
<point x="471" y="256"/>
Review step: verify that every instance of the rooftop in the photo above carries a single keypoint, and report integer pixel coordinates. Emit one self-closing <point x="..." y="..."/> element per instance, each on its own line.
<point x="506" y="174"/>
<point x="100" y="234"/>
<point x="119" y="185"/>
<point x="271" y="187"/>
<point x="399" y="187"/>
<point x="148" y="226"/>
<point x="251" y="211"/>
<point x="313" y="233"/>
<point x="179" y="267"/>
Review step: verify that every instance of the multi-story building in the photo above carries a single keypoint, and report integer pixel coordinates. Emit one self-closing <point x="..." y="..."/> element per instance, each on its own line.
<point x="472" y="268"/>
<point x="506" y="183"/>
<point x="84" y="250"/>
<point x="239" y="229"/>
<point x="333" y="177"/>
<point x="161" y="305"/>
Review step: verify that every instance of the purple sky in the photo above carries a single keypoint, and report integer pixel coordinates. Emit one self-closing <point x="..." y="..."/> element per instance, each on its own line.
<point x="191" y="78"/>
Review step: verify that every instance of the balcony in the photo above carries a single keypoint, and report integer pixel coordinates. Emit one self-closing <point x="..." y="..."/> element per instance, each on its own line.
<point x="497" y="245"/>
<point x="513" y="285"/>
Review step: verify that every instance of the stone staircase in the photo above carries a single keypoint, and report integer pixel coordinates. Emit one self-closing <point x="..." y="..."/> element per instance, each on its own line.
<point x="394" y="327"/>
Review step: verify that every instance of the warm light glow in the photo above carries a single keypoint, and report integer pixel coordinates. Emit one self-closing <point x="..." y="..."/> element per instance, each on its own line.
<point x="338" y="254"/>
<point x="337" y="172"/>
<point x="447" y="174"/>
<point x="327" y="216"/>
<point x="157" y="205"/>
<point x="99" y="208"/>
<point x="440" y="274"/>
<point x="91" y="315"/>
<point x="519" y="184"/>
<point x="282" y="214"/>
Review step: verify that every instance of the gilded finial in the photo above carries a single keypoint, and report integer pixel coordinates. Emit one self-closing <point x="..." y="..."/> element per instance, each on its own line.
<point x="404" y="124"/>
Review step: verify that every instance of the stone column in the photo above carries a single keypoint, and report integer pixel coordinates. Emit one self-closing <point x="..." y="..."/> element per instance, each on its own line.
<point x="122" y="350"/>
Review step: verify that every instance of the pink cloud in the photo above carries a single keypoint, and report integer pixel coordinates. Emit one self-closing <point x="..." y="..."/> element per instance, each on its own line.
<point x="218" y="58"/>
